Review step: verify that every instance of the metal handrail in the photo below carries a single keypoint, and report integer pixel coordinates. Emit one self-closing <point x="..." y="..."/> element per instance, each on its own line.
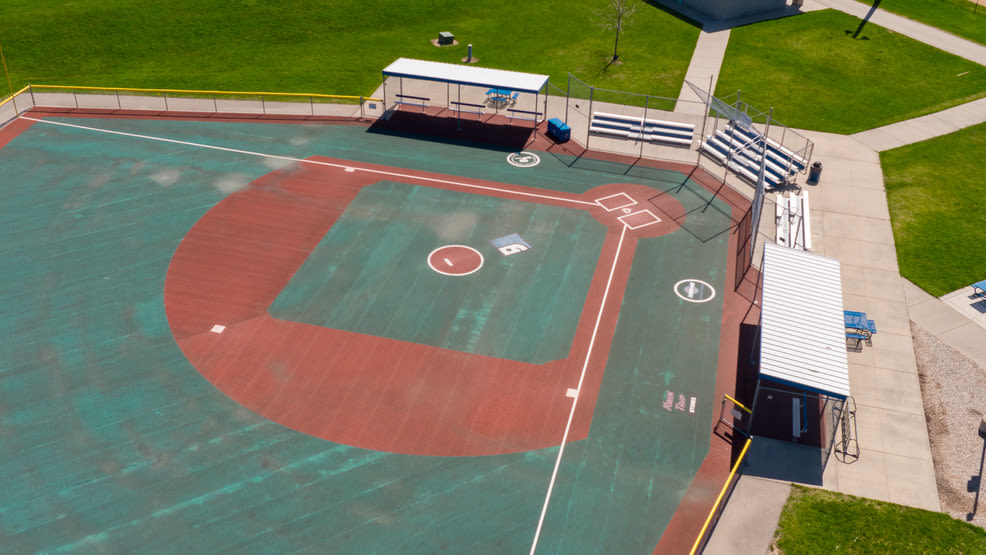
<point x="722" y="493"/>
<point x="11" y="97"/>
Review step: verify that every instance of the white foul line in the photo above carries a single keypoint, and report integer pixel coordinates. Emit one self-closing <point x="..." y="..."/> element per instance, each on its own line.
<point x="575" y="400"/>
<point x="316" y="162"/>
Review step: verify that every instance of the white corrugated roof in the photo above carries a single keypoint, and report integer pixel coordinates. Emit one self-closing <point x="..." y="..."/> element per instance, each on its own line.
<point x="466" y="75"/>
<point x="802" y="334"/>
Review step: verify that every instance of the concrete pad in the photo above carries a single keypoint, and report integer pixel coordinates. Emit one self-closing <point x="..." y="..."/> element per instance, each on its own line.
<point x="905" y="434"/>
<point x="854" y="226"/>
<point x="849" y="173"/>
<point x="911" y="482"/>
<point x="832" y="146"/>
<point x="967" y="304"/>
<point x="879" y="139"/>
<point x="879" y="255"/>
<point x="869" y="429"/>
<point x="853" y="283"/>
<point x="965" y="115"/>
<point x="882" y="284"/>
<point x="914" y="295"/>
<point x="936" y="317"/>
<point x="920" y="129"/>
<point x="900" y="393"/>
<point x="863" y="202"/>
<point x="750" y="518"/>
<point x="891" y="316"/>
<point x="849" y="251"/>
<point x="703" y="71"/>
<point x="894" y="351"/>
<point x="969" y="340"/>
<point x="866" y="477"/>
<point x="862" y="357"/>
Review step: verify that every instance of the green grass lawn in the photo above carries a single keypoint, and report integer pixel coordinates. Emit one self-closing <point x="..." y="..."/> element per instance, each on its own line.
<point x="816" y="521"/>
<point x="959" y="17"/>
<point x="331" y="47"/>
<point x="935" y="190"/>
<point x="815" y="75"/>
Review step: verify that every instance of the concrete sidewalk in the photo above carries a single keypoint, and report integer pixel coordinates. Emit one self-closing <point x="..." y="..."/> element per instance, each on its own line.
<point x="925" y="127"/>
<point x="956" y="319"/>
<point x="703" y="71"/>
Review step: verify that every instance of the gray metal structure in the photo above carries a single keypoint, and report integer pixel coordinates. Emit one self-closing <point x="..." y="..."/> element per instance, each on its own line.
<point x="724" y="9"/>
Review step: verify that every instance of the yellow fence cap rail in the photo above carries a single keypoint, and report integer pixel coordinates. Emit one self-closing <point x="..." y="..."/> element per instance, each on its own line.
<point x="198" y="92"/>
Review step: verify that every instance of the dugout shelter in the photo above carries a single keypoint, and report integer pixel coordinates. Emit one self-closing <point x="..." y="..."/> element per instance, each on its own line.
<point x="803" y="383"/>
<point x="464" y="89"/>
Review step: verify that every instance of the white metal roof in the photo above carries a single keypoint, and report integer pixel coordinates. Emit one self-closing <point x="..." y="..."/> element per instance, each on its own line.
<point x="802" y="333"/>
<point x="466" y="75"/>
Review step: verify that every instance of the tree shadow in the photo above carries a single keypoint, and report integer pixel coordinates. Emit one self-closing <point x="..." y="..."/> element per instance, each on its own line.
<point x="864" y="21"/>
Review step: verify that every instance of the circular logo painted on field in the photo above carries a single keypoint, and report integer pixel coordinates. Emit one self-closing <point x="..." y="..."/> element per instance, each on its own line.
<point x="455" y="260"/>
<point x="694" y="290"/>
<point x="523" y="159"/>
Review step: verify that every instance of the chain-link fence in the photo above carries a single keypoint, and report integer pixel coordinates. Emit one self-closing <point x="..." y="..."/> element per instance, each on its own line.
<point x="183" y="101"/>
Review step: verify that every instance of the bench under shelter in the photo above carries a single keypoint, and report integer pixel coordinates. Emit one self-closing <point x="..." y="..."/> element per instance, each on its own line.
<point x="465" y="89"/>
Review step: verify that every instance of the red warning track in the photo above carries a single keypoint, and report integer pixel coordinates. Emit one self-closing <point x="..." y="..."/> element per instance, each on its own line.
<point x="374" y="392"/>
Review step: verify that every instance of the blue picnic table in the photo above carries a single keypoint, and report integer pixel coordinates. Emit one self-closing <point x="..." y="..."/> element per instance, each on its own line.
<point x="858" y="326"/>
<point x="855" y="321"/>
<point x="979" y="289"/>
<point x="501" y="96"/>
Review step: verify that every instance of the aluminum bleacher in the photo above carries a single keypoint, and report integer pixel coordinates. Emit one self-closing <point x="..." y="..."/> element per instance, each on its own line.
<point x="636" y="127"/>
<point x="742" y="150"/>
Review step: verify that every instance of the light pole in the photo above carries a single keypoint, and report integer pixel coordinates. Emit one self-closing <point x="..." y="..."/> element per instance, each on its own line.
<point x="7" y="74"/>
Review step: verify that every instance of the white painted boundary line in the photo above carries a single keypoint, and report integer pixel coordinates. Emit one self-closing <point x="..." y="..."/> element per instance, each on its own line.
<point x="578" y="391"/>
<point x="316" y="162"/>
<point x="631" y="202"/>
<point x="655" y="219"/>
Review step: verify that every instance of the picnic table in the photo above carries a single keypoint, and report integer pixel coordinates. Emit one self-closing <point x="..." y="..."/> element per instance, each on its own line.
<point x="858" y="327"/>
<point x="979" y="289"/>
<point x="501" y="96"/>
<point x="856" y="321"/>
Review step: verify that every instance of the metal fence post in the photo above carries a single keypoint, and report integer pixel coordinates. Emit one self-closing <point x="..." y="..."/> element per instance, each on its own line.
<point x="568" y="95"/>
<point x="592" y="91"/>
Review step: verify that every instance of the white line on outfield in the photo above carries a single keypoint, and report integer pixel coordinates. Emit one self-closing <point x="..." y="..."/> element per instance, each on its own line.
<point x="578" y="391"/>
<point x="347" y="167"/>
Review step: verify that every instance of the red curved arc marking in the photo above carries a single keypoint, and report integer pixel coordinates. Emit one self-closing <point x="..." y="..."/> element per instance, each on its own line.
<point x="350" y="388"/>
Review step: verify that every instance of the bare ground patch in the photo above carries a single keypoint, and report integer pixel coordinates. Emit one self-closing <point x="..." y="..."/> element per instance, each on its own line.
<point x="954" y="392"/>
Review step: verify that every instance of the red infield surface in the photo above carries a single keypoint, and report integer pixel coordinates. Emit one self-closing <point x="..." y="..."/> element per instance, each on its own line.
<point x="385" y="394"/>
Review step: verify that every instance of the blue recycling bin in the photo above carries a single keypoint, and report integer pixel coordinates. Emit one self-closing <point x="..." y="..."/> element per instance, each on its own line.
<point x="559" y="130"/>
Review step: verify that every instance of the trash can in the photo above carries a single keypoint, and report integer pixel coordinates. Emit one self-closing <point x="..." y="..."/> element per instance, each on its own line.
<point x="815" y="173"/>
<point x="559" y="130"/>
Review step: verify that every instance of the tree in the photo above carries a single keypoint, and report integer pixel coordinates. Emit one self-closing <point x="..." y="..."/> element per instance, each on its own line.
<point x="616" y="16"/>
